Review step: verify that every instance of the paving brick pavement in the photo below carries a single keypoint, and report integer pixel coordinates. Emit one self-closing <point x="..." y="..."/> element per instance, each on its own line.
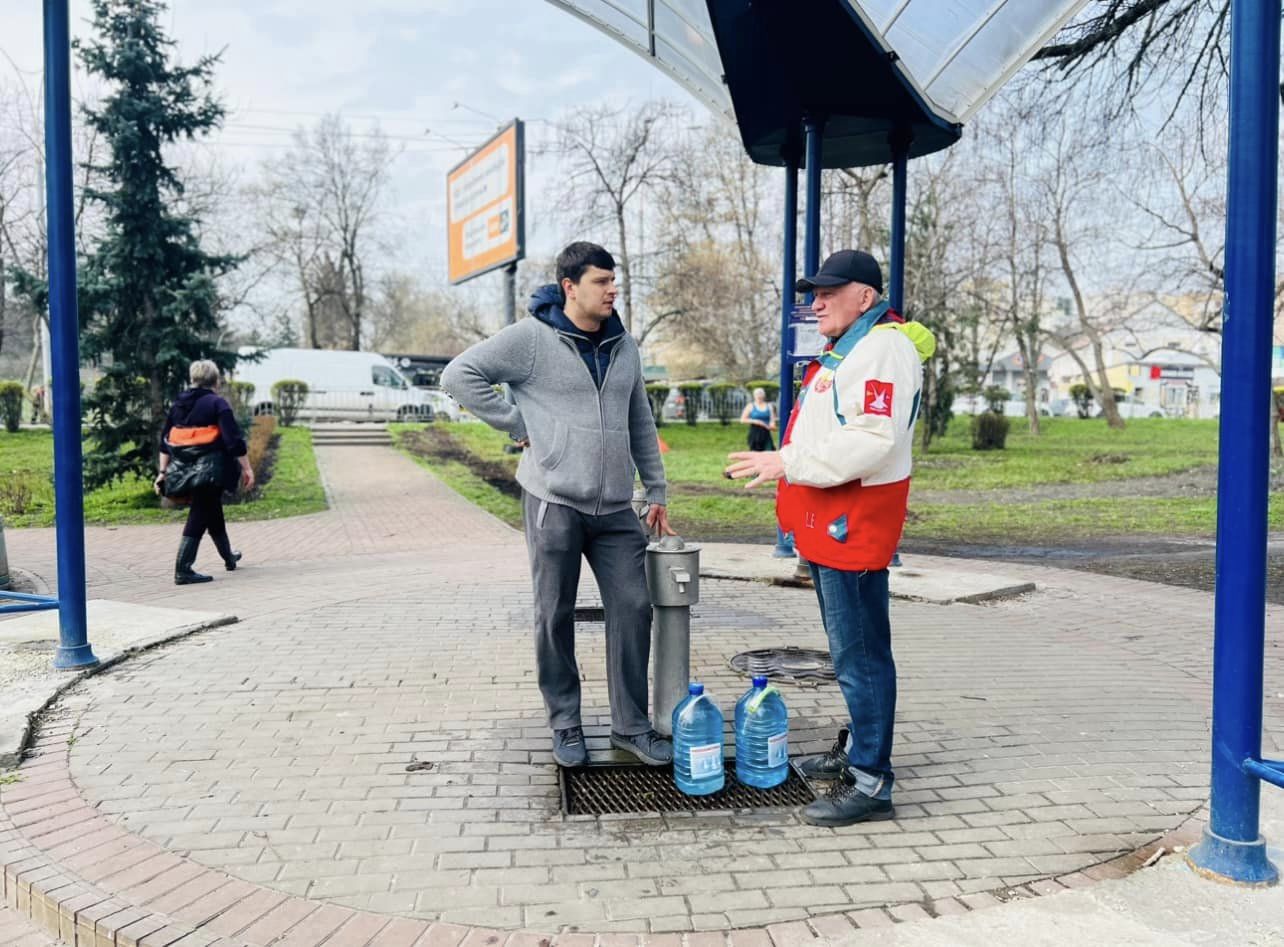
<point x="252" y="782"/>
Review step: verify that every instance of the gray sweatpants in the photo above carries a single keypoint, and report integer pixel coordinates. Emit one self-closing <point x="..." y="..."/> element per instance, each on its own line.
<point x="615" y="547"/>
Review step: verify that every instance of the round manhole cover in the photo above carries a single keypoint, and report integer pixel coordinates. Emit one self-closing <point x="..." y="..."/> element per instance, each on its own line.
<point x="790" y="664"/>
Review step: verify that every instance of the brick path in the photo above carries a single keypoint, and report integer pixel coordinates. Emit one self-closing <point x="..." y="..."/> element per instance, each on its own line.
<point x="251" y="782"/>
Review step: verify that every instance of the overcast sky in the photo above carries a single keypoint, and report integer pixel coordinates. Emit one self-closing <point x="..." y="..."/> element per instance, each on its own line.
<point x="433" y="74"/>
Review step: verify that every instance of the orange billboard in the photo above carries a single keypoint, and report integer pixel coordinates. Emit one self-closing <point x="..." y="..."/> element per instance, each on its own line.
<point x="485" y="216"/>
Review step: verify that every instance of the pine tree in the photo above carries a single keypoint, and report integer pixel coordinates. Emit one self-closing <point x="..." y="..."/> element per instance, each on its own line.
<point x="149" y="303"/>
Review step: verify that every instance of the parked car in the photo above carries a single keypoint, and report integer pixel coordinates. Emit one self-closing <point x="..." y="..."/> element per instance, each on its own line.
<point x="342" y="386"/>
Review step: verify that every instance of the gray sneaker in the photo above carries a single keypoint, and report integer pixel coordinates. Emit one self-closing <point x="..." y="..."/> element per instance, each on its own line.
<point x="651" y="748"/>
<point x="569" y="748"/>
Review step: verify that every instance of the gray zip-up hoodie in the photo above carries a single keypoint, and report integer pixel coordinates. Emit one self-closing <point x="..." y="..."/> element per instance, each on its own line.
<point x="585" y="439"/>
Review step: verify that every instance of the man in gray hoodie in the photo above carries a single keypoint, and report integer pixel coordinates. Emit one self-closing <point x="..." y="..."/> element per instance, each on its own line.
<point x="579" y="406"/>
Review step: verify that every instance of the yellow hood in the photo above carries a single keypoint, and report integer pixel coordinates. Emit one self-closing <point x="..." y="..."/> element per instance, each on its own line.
<point x="921" y="336"/>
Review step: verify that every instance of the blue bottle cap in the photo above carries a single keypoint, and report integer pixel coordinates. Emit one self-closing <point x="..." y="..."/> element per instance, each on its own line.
<point x="760" y="680"/>
<point x="695" y="690"/>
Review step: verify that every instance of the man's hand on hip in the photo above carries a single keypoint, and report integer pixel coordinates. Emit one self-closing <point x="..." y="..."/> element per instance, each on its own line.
<point x="657" y="520"/>
<point x="762" y="465"/>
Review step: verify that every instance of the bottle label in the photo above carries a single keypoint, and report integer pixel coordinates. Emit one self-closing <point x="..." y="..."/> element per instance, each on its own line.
<point x="706" y="760"/>
<point x="778" y="750"/>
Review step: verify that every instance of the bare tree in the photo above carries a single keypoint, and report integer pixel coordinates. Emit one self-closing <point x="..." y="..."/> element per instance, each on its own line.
<point x="614" y="158"/>
<point x="947" y="252"/>
<point x="1071" y="180"/>
<point x="1128" y="48"/>
<point x="23" y="230"/>
<point x="407" y="317"/>
<point x="1020" y="270"/>
<point x="10" y="164"/>
<point x="1183" y="200"/>
<point x="717" y="280"/>
<point x="856" y="207"/>
<point x="323" y="204"/>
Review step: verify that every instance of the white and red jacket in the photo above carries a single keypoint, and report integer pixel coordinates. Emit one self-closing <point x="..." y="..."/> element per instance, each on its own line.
<point x="847" y="447"/>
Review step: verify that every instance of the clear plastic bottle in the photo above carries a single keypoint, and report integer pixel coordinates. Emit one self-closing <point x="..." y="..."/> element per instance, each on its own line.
<point x="762" y="736"/>
<point x="697" y="744"/>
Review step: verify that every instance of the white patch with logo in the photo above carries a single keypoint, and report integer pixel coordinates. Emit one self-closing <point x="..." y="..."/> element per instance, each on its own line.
<point x="706" y="760"/>
<point x="778" y="750"/>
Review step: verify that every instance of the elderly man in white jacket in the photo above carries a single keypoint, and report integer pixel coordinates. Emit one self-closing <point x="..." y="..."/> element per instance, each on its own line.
<point x="844" y="467"/>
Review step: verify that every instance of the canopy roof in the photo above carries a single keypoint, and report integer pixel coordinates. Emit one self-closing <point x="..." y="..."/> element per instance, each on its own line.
<point x="958" y="53"/>
<point x="869" y="68"/>
<point x="676" y="35"/>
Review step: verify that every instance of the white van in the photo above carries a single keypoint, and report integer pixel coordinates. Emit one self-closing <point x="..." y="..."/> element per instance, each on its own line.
<point x="342" y="386"/>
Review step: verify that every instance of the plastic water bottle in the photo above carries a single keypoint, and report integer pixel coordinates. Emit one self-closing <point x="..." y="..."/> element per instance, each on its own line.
<point x="762" y="736"/>
<point x="697" y="744"/>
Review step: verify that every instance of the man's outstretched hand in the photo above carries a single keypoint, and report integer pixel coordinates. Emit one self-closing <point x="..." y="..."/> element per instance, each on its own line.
<point x="763" y="466"/>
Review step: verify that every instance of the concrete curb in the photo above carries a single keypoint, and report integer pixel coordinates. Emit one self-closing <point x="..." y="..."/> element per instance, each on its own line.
<point x="994" y="595"/>
<point x="23" y="581"/>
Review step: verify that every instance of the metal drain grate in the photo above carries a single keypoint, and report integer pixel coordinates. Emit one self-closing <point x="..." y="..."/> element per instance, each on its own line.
<point x="791" y="664"/>
<point x="614" y="789"/>
<point x="590" y="613"/>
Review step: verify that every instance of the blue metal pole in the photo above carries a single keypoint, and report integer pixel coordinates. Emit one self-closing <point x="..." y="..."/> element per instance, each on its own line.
<point x="900" y="161"/>
<point x="812" y="130"/>
<point x="900" y="141"/>
<point x="789" y="275"/>
<point x="1232" y="848"/>
<point x="64" y="327"/>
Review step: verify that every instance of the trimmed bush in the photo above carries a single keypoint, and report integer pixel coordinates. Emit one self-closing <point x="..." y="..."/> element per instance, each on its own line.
<point x="990" y="431"/>
<point x="288" y="394"/>
<point x="722" y="400"/>
<point x="238" y="394"/>
<point x="996" y="398"/>
<point x="691" y="401"/>
<point x="770" y="388"/>
<point x="259" y="443"/>
<point x="11" y="393"/>
<point x="657" y="394"/>
<point x="1081" y="395"/>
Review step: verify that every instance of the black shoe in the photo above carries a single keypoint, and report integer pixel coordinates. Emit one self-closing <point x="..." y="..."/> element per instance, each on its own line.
<point x="651" y="748"/>
<point x="569" y="748"/>
<point x="829" y="766"/>
<point x="230" y="556"/>
<point x="844" y="804"/>
<point x="184" y="574"/>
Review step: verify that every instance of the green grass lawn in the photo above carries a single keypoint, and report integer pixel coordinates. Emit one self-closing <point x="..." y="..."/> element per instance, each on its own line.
<point x="488" y="445"/>
<point x="26" y="465"/>
<point x="1069" y="451"/>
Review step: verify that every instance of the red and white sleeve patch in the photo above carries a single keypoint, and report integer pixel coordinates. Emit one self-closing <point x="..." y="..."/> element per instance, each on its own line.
<point x="878" y="397"/>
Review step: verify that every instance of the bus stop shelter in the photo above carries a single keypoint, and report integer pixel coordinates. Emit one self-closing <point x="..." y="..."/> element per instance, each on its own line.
<point x="850" y="83"/>
<point x="844" y="83"/>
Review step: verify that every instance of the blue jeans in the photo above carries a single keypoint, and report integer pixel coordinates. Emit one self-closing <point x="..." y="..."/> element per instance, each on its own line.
<point x="853" y="606"/>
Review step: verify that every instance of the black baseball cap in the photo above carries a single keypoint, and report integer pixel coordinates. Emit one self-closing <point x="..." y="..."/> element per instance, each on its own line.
<point x="845" y="266"/>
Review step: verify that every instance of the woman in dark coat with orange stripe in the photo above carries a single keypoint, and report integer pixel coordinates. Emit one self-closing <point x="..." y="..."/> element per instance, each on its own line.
<point x="202" y="454"/>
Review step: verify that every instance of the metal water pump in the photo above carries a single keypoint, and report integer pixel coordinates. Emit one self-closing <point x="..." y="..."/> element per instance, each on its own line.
<point x="673" y="577"/>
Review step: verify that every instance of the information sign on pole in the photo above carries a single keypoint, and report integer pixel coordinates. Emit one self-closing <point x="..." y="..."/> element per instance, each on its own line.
<point x="485" y="206"/>
<point x="807" y="343"/>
